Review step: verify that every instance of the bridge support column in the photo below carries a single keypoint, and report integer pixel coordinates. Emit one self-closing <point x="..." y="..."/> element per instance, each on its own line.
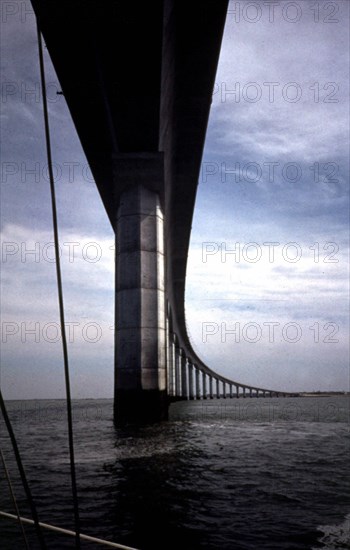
<point x="177" y="372"/>
<point x="237" y="391"/>
<point x="171" y="367"/>
<point x="217" y="389"/>
<point x="169" y="349"/>
<point x="198" y="387"/>
<point x="204" y="385"/>
<point x="224" y="389"/>
<point x="184" y="385"/>
<point x="190" y="381"/>
<point x="211" y="395"/>
<point x="140" y="345"/>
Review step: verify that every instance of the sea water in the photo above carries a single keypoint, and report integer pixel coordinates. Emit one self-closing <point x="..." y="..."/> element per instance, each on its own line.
<point x="227" y="474"/>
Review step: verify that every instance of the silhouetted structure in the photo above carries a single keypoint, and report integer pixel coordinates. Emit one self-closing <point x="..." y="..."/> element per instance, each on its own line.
<point x="138" y="79"/>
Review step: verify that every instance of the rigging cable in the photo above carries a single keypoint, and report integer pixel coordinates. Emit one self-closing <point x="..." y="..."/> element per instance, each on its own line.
<point x="22" y="473"/>
<point x="88" y="538"/>
<point x="14" y="501"/>
<point x="60" y="293"/>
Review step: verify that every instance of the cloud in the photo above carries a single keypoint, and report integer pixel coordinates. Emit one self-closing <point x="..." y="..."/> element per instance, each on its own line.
<point x="310" y="135"/>
<point x="30" y="315"/>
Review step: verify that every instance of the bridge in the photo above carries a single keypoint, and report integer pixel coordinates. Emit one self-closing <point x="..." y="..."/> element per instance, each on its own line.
<point x="138" y="80"/>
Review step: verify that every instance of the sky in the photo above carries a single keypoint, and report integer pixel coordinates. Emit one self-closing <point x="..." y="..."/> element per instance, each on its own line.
<point x="267" y="281"/>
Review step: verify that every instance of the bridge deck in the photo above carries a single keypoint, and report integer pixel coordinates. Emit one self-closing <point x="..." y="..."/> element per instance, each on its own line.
<point x="138" y="78"/>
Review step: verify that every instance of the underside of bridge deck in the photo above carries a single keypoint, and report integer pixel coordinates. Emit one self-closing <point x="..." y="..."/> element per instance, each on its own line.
<point x="138" y="80"/>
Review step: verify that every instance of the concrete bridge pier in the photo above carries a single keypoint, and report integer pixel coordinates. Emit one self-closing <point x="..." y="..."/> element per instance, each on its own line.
<point x="140" y="312"/>
<point x="190" y="381"/>
<point x="204" y="385"/>
<point x="178" y="384"/>
<point x="184" y="384"/>
<point x="175" y="49"/>
<point x="211" y="394"/>
<point x="171" y="365"/>
<point x="198" y="387"/>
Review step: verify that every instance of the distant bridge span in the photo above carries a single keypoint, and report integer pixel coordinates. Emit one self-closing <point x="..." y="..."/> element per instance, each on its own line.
<point x="138" y="80"/>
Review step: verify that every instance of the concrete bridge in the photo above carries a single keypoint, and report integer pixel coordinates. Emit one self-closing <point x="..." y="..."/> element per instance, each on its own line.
<point x="138" y="80"/>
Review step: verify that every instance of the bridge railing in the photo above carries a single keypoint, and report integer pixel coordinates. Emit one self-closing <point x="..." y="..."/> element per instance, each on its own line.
<point x="190" y="378"/>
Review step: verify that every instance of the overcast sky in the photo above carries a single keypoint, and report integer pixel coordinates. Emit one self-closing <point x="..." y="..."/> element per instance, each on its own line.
<point x="275" y="170"/>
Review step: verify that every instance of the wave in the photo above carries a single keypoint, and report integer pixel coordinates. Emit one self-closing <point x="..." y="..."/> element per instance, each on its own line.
<point x="335" y="537"/>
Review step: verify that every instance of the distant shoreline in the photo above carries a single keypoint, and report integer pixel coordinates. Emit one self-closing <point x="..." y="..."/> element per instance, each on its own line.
<point x="297" y="394"/>
<point x="323" y="394"/>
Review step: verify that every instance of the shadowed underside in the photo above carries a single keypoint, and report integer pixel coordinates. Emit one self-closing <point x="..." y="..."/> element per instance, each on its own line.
<point x="138" y="80"/>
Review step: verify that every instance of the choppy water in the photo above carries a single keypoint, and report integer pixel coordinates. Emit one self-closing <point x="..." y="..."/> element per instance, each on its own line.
<point x="247" y="474"/>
